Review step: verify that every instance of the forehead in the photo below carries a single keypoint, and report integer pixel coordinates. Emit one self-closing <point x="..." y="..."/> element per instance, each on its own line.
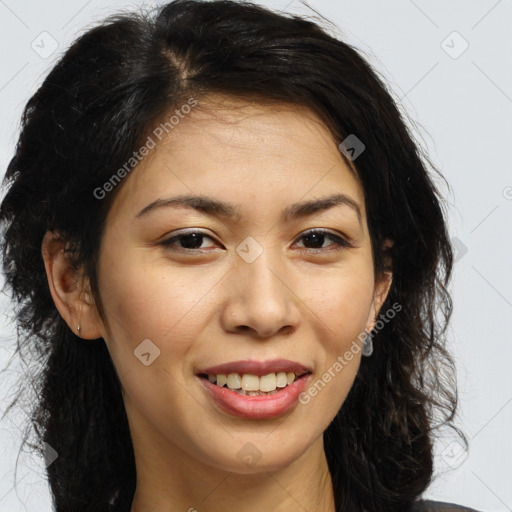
<point x="272" y="128"/>
<point x="242" y="152"/>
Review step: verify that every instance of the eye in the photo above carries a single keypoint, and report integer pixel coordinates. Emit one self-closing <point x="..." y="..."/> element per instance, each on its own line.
<point x="316" y="237"/>
<point x="190" y="241"/>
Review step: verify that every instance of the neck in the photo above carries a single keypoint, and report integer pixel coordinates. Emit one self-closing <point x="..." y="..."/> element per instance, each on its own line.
<point x="178" y="482"/>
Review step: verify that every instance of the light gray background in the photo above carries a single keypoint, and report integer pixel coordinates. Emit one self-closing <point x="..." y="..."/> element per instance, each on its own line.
<point x="462" y="104"/>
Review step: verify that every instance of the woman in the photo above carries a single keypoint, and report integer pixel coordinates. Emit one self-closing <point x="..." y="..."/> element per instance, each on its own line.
<point x="259" y="369"/>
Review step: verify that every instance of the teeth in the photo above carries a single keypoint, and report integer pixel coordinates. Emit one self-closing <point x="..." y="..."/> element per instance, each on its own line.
<point x="281" y="380"/>
<point x="268" y="382"/>
<point x="251" y="384"/>
<point x="234" y="381"/>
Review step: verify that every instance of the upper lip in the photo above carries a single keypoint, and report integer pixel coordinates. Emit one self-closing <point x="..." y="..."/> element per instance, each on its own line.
<point x="258" y="368"/>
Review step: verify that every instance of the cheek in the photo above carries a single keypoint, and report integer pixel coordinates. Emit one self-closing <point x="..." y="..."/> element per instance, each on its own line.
<point x="157" y="301"/>
<point x="340" y="300"/>
<point x="138" y="304"/>
<point x="150" y="302"/>
<point x="341" y="305"/>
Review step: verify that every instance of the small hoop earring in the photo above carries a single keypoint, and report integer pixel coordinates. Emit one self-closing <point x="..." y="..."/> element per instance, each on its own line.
<point x="367" y="345"/>
<point x="78" y="329"/>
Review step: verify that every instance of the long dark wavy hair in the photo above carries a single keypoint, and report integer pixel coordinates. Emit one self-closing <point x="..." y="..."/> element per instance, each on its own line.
<point x="94" y="109"/>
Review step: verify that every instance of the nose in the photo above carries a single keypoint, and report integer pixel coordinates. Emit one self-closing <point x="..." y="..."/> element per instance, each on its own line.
<point x="260" y="298"/>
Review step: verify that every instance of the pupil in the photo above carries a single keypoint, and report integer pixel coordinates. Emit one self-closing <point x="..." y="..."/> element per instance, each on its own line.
<point x="193" y="238"/>
<point x="317" y="237"/>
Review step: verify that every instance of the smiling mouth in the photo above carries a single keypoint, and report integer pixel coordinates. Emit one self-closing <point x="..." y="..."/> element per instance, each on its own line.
<point x="251" y="385"/>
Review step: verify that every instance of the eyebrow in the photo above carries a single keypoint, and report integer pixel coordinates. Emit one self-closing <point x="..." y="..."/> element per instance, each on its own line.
<point x="220" y="209"/>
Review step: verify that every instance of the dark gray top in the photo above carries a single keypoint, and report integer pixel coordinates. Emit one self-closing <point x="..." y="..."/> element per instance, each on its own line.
<point x="438" y="506"/>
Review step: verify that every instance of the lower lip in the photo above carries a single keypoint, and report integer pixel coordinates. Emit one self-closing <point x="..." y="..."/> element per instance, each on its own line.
<point x="257" y="407"/>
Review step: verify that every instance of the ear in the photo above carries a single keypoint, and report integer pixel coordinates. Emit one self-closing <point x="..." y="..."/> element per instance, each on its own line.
<point x="382" y="286"/>
<point x="70" y="290"/>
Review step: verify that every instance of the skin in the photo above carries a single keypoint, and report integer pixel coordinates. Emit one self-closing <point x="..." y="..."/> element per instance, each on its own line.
<point x="210" y="306"/>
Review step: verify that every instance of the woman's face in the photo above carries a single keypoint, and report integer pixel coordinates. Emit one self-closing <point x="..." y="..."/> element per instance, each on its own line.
<point x="255" y="286"/>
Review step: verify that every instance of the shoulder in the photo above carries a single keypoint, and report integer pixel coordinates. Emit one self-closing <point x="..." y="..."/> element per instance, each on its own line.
<point x="438" y="506"/>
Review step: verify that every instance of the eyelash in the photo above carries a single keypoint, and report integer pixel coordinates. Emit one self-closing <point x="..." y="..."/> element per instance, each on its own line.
<point x="341" y="242"/>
